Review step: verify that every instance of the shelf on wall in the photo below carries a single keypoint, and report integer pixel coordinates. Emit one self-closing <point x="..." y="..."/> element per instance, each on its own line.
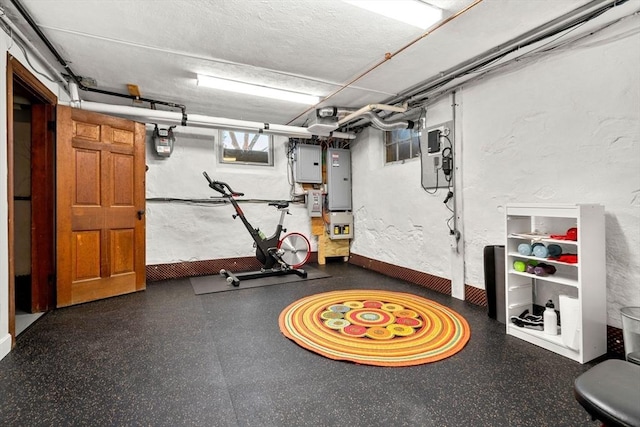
<point x="550" y="278"/>
<point x="547" y="260"/>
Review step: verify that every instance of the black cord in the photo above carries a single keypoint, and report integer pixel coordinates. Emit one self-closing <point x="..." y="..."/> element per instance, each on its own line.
<point x="449" y="224"/>
<point x="448" y="177"/>
<point x="217" y="200"/>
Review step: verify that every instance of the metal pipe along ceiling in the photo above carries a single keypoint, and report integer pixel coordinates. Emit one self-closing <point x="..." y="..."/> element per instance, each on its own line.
<point x="195" y="120"/>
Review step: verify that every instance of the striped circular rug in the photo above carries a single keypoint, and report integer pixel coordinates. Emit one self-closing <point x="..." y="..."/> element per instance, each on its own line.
<point x="373" y="327"/>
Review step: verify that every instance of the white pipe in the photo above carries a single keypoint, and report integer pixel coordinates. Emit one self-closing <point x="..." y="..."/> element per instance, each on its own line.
<point x="73" y="92"/>
<point x="372" y="107"/>
<point x="197" y="120"/>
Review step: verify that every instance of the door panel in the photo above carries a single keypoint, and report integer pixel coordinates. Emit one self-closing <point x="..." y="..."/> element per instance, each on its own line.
<point x="101" y="246"/>
<point x="85" y="255"/>
<point x="87" y="168"/>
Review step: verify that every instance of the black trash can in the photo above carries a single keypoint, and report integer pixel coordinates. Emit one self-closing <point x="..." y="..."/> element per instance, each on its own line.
<point x="494" y="281"/>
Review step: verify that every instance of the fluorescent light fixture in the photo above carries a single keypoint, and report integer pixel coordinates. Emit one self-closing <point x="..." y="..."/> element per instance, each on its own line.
<point x="256" y="90"/>
<point x="413" y="12"/>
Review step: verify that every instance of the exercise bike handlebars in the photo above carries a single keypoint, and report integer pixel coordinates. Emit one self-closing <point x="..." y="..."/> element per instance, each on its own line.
<point x="221" y="187"/>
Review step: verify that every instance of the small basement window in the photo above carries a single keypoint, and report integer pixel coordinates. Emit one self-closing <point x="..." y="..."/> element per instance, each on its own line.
<point x="240" y="147"/>
<point x="401" y="145"/>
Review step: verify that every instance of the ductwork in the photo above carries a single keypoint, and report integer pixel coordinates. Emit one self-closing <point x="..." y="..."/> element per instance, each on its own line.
<point x="341" y="116"/>
<point x="333" y="111"/>
<point x="378" y="123"/>
<point x="371" y="107"/>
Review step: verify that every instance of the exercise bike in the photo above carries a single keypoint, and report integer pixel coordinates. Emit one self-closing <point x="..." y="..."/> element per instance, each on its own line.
<point x="278" y="256"/>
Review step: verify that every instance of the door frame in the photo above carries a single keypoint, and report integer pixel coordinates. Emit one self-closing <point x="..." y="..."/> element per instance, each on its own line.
<point x="15" y="70"/>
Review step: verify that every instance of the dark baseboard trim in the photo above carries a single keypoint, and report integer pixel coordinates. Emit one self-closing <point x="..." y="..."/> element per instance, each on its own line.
<point x="615" y="342"/>
<point x="207" y="267"/>
<point x="426" y="280"/>
<point x="473" y="295"/>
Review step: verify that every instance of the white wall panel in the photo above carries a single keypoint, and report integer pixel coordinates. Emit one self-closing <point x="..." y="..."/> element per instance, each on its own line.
<point x="565" y="129"/>
<point x="178" y="231"/>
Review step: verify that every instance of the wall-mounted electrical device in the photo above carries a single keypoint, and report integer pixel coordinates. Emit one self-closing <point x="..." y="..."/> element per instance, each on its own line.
<point x="436" y="153"/>
<point x="314" y="203"/>
<point x="308" y="163"/>
<point x="338" y="164"/>
<point x="433" y="141"/>
<point x="321" y="125"/>
<point x="447" y="161"/>
<point x="163" y="141"/>
<point x="340" y="225"/>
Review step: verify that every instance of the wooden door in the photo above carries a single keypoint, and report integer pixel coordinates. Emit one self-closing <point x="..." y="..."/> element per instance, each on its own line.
<point x="100" y="206"/>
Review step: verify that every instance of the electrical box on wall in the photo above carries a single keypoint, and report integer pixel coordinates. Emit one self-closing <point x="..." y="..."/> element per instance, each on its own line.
<point x="340" y="225"/>
<point x="314" y="203"/>
<point x="436" y="151"/>
<point x="308" y="163"/>
<point x="163" y="141"/>
<point x="338" y="179"/>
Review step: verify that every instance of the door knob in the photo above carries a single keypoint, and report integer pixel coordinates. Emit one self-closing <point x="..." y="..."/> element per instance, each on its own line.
<point x="140" y="213"/>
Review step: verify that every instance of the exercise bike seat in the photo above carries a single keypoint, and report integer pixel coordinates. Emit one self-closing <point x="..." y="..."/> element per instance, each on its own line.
<point x="279" y="205"/>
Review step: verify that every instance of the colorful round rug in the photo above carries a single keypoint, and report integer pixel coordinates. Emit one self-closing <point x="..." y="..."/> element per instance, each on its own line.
<point x="372" y="327"/>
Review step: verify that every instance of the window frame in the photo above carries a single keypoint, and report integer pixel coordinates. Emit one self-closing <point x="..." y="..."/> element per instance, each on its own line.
<point x="222" y="147"/>
<point x="392" y="141"/>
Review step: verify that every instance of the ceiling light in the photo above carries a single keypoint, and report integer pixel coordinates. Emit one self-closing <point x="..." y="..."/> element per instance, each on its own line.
<point x="413" y="12"/>
<point x="256" y="90"/>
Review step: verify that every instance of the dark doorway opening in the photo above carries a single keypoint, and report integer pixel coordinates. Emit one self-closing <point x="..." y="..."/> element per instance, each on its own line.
<point x="31" y="189"/>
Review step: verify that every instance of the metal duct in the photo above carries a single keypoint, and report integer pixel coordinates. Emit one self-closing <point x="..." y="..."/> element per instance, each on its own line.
<point x="349" y="114"/>
<point x="333" y="111"/>
<point x="378" y="123"/>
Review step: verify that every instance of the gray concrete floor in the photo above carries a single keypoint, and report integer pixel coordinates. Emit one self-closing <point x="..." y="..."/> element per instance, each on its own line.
<point x="166" y="357"/>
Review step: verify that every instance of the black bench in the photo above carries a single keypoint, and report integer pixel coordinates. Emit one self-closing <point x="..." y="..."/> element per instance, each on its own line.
<point x="610" y="392"/>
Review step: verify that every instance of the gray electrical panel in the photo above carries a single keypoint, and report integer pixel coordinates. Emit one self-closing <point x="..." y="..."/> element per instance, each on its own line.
<point x="338" y="179"/>
<point x="340" y="225"/>
<point x="436" y="150"/>
<point x="314" y="203"/>
<point x="308" y="161"/>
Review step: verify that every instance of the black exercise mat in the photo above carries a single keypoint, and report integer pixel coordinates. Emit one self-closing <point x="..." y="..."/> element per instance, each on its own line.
<point x="218" y="283"/>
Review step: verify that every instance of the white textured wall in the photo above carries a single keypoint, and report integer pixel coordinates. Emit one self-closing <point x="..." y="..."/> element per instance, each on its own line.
<point x="396" y="221"/>
<point x="186" y="232"/>
<point x="565" y="129"/>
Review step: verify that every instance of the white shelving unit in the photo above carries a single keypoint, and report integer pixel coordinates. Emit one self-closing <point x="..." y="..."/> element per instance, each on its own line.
<point x="584" y="280"/>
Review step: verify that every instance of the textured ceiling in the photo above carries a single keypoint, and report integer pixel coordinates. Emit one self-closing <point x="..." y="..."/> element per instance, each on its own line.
<point x="311" y="46"/>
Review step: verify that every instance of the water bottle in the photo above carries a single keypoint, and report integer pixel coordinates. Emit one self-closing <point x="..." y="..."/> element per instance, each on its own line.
<point x="261" y="234"/>
<point x="550" y="319"/>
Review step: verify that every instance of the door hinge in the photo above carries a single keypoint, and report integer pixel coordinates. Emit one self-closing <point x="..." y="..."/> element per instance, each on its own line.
<point x="51" y="125"/>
